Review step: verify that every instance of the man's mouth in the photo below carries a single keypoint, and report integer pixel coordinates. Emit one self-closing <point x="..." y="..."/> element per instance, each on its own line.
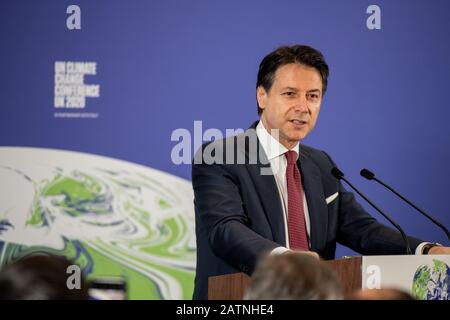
<point x="298" y="122"/>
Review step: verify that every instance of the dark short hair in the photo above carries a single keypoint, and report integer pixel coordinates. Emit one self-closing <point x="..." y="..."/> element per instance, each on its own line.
<point x="300" y="54"/>
<point x="39" y="277"/>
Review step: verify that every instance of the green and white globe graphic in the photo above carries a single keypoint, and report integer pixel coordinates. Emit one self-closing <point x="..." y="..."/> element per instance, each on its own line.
<point x="112" y="217"/>
<point x="432" y="282"/>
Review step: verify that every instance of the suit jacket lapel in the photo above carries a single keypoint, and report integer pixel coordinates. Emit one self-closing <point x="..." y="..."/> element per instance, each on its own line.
<point x="267" y="190"/>
<point x="317" y="207"/>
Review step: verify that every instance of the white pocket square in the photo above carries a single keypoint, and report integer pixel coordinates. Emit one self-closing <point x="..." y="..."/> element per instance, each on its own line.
<point x="332" y="197"/>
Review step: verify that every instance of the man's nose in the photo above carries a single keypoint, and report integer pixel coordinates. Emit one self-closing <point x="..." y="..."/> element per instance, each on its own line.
<point x="301" y="105"/>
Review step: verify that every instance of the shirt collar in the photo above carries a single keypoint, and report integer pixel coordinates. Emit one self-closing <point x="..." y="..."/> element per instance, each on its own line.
<point x="271" y="146"/>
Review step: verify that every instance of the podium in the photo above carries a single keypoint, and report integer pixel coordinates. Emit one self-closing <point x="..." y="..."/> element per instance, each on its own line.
<point x="404" y="272"/>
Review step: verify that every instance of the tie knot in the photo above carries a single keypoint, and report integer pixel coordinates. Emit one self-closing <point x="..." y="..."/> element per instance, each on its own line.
<point x="291" y="157"/>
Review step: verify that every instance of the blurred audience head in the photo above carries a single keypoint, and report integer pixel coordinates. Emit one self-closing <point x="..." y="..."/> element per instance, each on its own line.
<point x="381" y="294"/>
<point x="293" y="276"/>
<point x="40" y="277"/>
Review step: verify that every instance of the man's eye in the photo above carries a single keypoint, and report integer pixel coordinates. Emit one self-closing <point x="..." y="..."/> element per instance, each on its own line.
<point x="313" y="96"/>
<point x="289" y="93"/>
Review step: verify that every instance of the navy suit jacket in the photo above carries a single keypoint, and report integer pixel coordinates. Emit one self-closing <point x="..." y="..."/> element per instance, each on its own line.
<point x="239" y="215"/>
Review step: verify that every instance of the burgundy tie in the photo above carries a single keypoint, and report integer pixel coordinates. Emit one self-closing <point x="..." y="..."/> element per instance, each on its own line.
<point x="298" y="239"/>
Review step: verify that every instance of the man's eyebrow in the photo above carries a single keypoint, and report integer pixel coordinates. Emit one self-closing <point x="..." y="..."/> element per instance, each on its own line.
<point x="290" y="88"/>
<point x="296" y="90"/>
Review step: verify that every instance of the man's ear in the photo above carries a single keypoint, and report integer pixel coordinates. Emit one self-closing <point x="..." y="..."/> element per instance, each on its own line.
<point x="261" y="97"/>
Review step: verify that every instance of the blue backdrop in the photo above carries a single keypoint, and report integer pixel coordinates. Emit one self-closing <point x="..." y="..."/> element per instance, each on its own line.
<point x="161" y="65"/>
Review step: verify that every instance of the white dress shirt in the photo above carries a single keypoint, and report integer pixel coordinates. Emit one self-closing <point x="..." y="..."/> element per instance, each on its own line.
<point x="275" y="154"/>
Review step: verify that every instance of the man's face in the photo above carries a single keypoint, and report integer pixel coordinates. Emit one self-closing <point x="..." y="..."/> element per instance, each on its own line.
<point x="293" y="102"/>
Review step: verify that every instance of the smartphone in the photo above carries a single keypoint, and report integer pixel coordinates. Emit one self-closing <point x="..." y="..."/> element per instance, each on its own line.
<point x="108" y="288"/>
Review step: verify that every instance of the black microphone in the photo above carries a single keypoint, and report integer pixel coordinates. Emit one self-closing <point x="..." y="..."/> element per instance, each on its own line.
<point x="338" y="174"/>
<point x="369" y="175"/>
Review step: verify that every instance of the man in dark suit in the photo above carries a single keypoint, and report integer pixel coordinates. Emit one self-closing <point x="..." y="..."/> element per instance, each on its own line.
<point x="262" y="192"/>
